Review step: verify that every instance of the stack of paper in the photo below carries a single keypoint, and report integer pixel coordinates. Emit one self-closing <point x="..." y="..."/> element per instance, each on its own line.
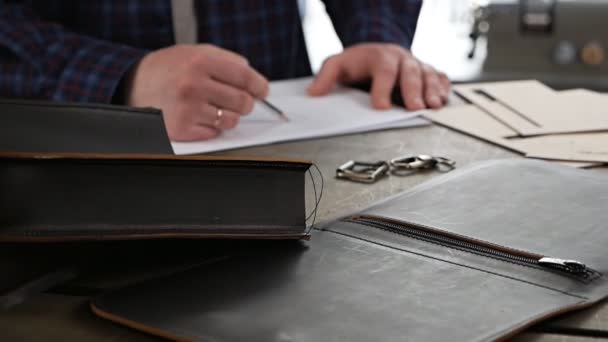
<point x="533" y="119"/>
<point x="344" y="111"/>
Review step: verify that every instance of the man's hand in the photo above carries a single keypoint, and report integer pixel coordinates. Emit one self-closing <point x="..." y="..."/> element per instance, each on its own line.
<point x="386" y="65"/>
<point x="191" y="84"/>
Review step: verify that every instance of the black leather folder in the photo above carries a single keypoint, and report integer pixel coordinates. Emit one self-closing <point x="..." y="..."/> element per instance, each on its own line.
<point x="44" y="128"/>
<point x="478" y="254"/>
<point x="51" y="197"/>
<point x="71" y="171"/>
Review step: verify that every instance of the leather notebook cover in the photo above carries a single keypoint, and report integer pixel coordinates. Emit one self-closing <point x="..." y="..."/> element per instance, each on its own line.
<point x="65" y="197"/>
<point x="478" y="254"/>
<point x="42" y="126"/>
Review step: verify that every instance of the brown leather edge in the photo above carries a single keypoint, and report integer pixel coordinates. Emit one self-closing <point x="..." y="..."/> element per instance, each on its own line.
<point x="301" y="236"/>
<point x="510" y="334"/>
<point x="135" y="325"/>
<point x="563" y="310"/>
<point x="121" y="156"/>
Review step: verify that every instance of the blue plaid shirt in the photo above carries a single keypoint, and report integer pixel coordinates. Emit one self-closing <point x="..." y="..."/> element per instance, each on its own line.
<point x="74" y="50"/>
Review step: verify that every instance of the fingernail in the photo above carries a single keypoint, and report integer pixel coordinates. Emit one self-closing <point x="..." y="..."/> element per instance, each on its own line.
<point x="418" y="103"/>
<point x="435" y="100"/>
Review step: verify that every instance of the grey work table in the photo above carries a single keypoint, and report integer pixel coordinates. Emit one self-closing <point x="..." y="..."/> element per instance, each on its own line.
<point x="57" y="316"/>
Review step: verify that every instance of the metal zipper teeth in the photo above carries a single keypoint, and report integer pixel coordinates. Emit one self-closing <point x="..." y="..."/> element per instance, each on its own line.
<point x="410" y="231"/>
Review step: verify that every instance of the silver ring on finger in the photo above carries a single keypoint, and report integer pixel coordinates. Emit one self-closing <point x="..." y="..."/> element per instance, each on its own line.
<point x="219" y="114"/>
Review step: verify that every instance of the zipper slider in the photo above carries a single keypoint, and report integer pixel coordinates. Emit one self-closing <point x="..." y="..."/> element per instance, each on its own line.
<point x="567" y="265"/>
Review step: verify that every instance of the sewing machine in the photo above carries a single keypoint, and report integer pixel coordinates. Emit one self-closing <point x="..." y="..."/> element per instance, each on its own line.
<point x="563" y="43"/>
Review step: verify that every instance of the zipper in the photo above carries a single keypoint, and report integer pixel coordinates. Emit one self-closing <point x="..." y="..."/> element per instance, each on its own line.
<point x="421" y="232"/>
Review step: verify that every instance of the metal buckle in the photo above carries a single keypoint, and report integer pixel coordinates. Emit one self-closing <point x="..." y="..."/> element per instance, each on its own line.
<point x="362" y="171"/>
<point x="422" y="161"/>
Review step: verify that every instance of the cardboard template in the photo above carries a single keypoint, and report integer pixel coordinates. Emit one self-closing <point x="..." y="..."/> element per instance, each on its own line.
<point x="531" y="108"/>
<point x="472" y="120"/>
<point x="587" y="147"/>
<point x="476" y="94"/>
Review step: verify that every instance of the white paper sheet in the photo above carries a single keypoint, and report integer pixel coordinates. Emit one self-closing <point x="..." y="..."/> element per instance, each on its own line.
<point x="344" y="111"/>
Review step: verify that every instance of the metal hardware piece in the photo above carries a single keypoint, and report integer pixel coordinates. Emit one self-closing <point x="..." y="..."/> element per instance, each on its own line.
<point x="569" y="265"/>
<point x="362" y="171"/>
<point x="537" y="15"/>
<point x="422" y="161"/>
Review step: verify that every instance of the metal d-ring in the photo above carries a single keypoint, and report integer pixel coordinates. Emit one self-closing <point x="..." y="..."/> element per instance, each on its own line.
<point x="362" y="171"/>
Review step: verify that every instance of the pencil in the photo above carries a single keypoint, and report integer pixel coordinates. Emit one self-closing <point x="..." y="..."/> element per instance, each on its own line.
<point x="275" y="109"/>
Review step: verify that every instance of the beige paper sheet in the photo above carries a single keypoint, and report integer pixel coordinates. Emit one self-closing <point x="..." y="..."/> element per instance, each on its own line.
<point x="588" y="147"/>
<point x="474" y="121"/>
<point x="503" y="113"/>
<point x="552" y="112"/>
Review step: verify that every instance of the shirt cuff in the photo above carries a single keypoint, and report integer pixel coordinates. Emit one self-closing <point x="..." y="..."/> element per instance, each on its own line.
<point x="94" y="73"/>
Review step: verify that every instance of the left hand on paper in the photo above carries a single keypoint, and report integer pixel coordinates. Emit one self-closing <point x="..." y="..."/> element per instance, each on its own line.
<point x="387" y="65"/>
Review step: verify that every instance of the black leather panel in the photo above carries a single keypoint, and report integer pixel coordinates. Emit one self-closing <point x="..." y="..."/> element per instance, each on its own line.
<point x="548" y="278"/>
<point x="38" y="126"/>
<point x="534" y="206"/>
<point x="333" y="289"/>
<point x="357" y="283"/>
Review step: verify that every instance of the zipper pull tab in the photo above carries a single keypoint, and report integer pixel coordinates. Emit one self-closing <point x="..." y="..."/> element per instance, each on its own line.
<point x="567" y="265"/>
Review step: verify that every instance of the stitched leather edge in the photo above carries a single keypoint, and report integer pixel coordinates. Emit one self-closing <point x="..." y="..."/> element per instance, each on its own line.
<point x="135" y="325"/>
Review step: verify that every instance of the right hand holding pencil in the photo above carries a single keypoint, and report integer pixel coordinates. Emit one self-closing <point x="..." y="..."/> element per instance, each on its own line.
<point x="201" y="89"/>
